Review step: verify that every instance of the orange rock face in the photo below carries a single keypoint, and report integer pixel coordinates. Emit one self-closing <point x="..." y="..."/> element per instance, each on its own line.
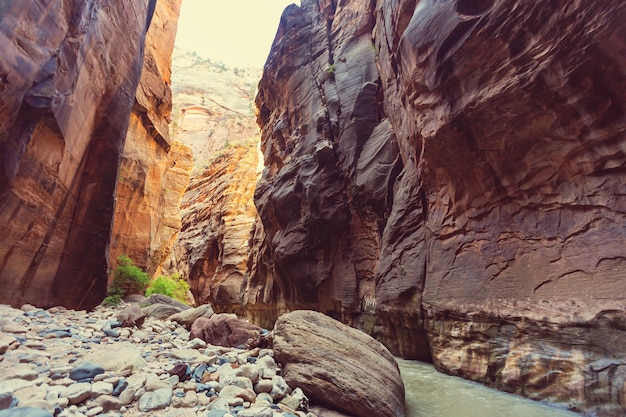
<point x="218" y="218"/>
<point x="68" y="75"/>
<point x="449" y="176"/>
<point x="155" y="170"/>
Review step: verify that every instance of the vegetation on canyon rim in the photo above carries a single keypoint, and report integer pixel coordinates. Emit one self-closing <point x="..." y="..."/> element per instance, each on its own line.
<point x="129" y="278"/>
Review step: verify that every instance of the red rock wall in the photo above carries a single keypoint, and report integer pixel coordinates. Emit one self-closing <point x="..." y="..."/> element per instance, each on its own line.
<point x="155" y="170"/>
<point x="69" y="71"/>
<point x="449" y="176"/>
<point x="218" y="216"/>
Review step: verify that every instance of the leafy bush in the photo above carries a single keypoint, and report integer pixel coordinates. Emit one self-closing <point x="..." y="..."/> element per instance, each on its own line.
<point x="128" y="276"/>
<point x="174" y="287"/>
<point x="129" y="273"/>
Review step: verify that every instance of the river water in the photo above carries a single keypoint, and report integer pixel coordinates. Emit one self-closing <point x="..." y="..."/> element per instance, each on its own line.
<point x="432" y="394"/>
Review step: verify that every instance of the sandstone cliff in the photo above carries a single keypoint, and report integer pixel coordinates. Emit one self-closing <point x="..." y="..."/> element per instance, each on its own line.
<point x="449" y="176"/>
<point x="155" y="170"/>
<point x="218" y="216"/>
<point x="68" y="75"/>
<point x="213" y="115"/>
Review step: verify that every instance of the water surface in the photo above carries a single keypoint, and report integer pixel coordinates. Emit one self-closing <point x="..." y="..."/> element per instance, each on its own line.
<point x="432" y="394"/>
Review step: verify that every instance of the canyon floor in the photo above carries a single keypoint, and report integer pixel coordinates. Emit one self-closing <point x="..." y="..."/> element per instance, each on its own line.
<point x="76" y="363"/>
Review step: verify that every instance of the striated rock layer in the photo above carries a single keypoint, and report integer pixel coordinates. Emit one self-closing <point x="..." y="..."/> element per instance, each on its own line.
<point x="218" y="216"/>
<point x="155" y="170"/>
<point x="449" y="176"/>
<point x="68" y="75"/>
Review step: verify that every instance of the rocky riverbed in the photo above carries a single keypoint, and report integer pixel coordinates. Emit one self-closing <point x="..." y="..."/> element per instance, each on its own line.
<point x="67" y="363"/>
<point x="75" y="363"/>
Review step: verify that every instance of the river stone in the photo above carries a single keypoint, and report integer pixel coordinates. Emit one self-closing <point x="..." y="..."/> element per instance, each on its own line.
<point x="125" y="358"/>
<point x="77" y="393"/>
<point x="225" y="330"/>
<point x="86" y="371"/>
<point x="5" y="342"/>
<point x="156" y="400"/>
<point x="160" y="311"/>
<point x="338" y="366"/>
<point x="187" y="317"/>
<point x="26" y="412"/>
<point x="108" y="403"/>
<point x="256" y="411"/>
<point x="131" y="316"/>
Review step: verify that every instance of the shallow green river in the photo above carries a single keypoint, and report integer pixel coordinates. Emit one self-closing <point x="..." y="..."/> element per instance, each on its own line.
<point x="433" y="394"/>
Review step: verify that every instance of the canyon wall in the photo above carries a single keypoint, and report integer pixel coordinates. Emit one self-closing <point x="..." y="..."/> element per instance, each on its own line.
<point x="69" y="71"/>
<point x="449" y="177"/>
<point x="155" y="170"/>
<point x="218" y="215"/>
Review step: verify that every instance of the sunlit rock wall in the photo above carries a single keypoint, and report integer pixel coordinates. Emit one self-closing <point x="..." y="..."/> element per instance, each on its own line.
<point x="155" y="170"/>
<point x="68" y="75"/>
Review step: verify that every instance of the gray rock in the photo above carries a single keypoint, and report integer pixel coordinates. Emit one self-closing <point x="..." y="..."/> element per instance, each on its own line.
<point x="216" y="413"/>
<point x="131" y="316"/>
<point x="256" y="411"/>
<point x="26" y="412"/>
<point x="160" y="311"/>
<point x="86" y="371"/>
<point x="280" y="388"/>
<point x="187" y="317"/>
<point x="156" y="400"/>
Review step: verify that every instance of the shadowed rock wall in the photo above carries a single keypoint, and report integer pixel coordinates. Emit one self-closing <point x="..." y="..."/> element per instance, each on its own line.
<point x="69" y="71"/>
<point x="449" y="176"/>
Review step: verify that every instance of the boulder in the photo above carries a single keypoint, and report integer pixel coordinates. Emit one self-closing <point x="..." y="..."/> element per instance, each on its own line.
<point x="164" y="299"/>
<point x="338" y="366"/>
<point x="187" y="317"/>
<point x="160" y="311"/>
<point x="131" y="316"/>
<point x="125" y="358"/>
<point x="225" y="330"/>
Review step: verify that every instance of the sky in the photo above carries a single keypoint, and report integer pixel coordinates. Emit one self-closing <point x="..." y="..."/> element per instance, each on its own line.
<point x="236" y="32"/>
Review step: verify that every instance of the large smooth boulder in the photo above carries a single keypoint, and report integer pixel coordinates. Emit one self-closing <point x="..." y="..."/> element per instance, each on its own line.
<point x="225" y="330"/>
<point x="160" y="311"/>
<point x="338" y="366"/>
<point x="131" y="316"/>
<point x="189" y="316"/>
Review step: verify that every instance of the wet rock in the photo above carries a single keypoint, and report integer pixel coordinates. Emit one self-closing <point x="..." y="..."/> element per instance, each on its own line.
<point x="325" y="358"/>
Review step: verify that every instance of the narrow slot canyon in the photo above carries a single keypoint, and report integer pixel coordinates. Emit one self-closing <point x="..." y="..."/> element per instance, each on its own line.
<point x="434" y="184"/>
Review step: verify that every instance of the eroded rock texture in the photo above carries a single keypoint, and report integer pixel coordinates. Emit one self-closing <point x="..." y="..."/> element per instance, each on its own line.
<point x="218" y="216"/>
<point x="155" y="170"/>
<point x="68" y="75"/>
<point x="449" y="176"/>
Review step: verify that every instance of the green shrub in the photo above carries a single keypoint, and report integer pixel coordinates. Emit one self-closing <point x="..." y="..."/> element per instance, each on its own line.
<point x="129" y="273"/>
<point x="127" y="277"/>
<point x="174" y="287"/>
